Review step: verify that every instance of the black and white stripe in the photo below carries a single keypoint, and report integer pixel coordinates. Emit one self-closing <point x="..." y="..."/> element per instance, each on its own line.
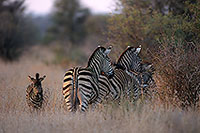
<point x="123" y="84"/>
<point x="80" y="86"/>
<point x="34" y="92"/>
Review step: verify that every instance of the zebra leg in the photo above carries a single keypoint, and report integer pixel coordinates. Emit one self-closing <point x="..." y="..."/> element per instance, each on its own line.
<point x="84" y="105"/>
<point x="83" y="100"/>
<point x="68" y="98"/>
<point x="136" y="93"/>
<point x="96" y="103"/>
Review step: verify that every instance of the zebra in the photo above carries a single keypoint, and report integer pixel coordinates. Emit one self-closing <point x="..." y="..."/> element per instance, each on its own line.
<point x="132" y="63"/>
<point x="146" y="74"/>
<point x="146" y="81"/>
<point x="122" y="81"/>
<point x="80" y="85"/>
<point x="34" y="92"/>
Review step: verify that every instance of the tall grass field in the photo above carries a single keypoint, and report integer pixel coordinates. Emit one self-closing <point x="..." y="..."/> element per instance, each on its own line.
<point x="16" y="117"/>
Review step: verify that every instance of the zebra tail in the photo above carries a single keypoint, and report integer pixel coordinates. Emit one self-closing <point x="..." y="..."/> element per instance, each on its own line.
<point x="75" y="99"/>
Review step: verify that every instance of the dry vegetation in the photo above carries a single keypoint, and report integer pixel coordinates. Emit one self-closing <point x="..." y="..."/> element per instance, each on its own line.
<point x="16" y="117"/>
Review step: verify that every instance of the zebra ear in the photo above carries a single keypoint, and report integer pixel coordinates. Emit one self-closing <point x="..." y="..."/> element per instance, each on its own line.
<point x="41" y="79"/>
<point x="138" y="50"/>
<point x="30" y="78"/>
<point x="147" y="67"/>
<point x="107" y="51"/>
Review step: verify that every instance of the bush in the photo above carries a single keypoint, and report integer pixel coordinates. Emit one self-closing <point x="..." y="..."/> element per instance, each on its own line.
<point x="140" y="23"/>
<point x="96" y="24"/>
<point x="69" y="56"/>
<point x="68" y="22"/>
<point x="16" y="29"/>
<point x="170" y="39"/>
<point x="178" y="74"/>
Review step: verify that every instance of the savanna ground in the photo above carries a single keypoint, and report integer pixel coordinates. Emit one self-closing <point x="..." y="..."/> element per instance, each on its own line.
<point x="15" y="115"/>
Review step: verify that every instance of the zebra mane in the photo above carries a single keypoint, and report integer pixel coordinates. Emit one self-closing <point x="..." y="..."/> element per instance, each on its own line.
<point x="93" y="54"/>
<point x="122" y="55"/>
<point x="119" y="66"/>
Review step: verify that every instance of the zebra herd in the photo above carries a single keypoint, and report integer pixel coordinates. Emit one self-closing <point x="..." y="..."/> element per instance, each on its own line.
<point x="99" y="80"/>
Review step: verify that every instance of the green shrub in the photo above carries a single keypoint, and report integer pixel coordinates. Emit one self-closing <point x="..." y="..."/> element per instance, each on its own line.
<point x="16" y="29"/>
<point x="69" y="56"/>
<point x="68" y="22"/>
<point x="170" y="39"/>
<point x="137" y="24"/>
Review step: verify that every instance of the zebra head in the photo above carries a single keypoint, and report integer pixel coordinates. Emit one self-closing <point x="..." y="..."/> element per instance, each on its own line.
<point x="100" y="62"/>
<point x="107" y="65"/>
<point x="130" y="59"/>
<point x="36" y="83"/>
<point x="146" y="75"/>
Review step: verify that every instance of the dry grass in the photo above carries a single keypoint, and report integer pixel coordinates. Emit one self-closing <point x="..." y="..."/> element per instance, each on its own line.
<point x="177" y="74"/>
<point x="15" y="116"/>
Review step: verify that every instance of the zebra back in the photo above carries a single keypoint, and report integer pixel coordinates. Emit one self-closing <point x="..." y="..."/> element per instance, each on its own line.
<point x="120" y="84"/>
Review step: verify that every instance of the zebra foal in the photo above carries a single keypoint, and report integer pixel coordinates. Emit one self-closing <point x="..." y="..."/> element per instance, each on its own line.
<point x="34" y="92"/>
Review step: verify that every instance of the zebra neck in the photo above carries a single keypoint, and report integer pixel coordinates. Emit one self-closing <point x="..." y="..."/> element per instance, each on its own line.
<point x="119" y="66"/>
<point x="95" y="70"/>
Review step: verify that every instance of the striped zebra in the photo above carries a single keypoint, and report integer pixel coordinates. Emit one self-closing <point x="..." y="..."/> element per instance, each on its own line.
<point x="34" y="92"/>
<point x="131" y="63"/>
<point x="80" y="85"/>
<point x="146" y="81"/>
<point x="146" y="74"/>
<point x="122" y="81"/>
